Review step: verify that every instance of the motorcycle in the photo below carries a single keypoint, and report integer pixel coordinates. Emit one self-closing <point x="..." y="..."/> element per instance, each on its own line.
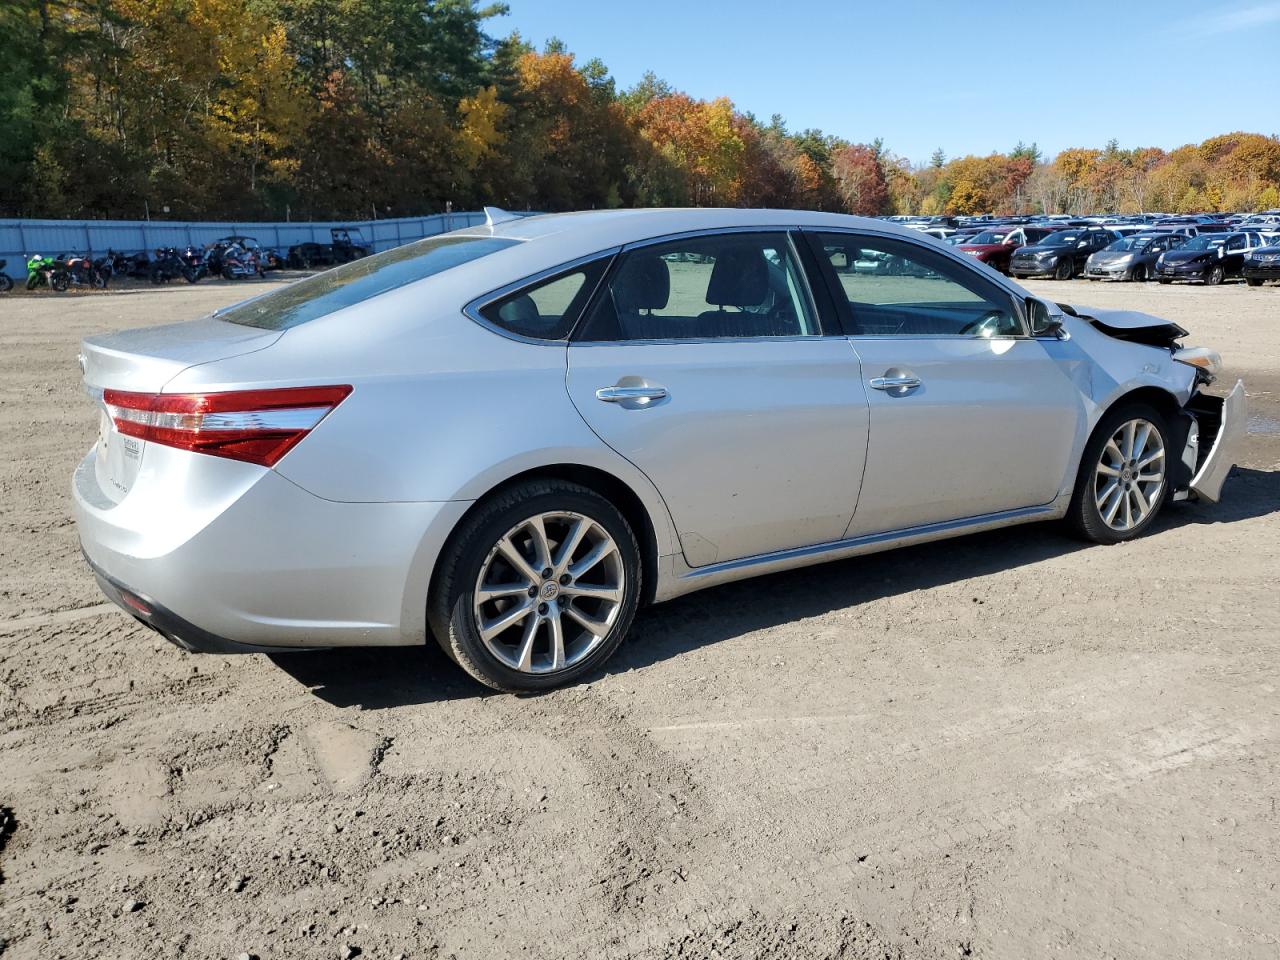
<point x="196" y="262"/>
<point x="46" y="272"/>
<point x="239" y="263"/>
<point x="6" y="281"/>
<point x="168" y="265"/>
<point x="83" y="272"/>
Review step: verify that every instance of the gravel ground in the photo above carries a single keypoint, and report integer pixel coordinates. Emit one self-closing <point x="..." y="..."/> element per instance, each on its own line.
<point x="1007" y="745"/>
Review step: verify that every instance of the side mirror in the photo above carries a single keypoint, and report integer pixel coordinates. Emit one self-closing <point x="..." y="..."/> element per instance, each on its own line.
<point x="1046" y="321"/>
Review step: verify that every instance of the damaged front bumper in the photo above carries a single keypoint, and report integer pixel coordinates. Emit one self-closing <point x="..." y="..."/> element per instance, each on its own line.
<point x="1226" y="420"/>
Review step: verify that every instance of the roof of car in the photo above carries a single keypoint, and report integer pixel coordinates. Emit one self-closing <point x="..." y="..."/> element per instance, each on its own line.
<point x="614" y="227"/>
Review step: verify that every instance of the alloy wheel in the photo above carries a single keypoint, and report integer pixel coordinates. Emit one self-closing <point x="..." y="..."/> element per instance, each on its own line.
<point x="549" y="592"/>
<point x="1130" y="474"/>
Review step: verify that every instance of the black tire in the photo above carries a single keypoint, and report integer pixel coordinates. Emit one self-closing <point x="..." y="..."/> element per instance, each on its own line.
<point x="157" y="276"/>
<point x="1139" y="273"/>
<point x="450" y="606"/>
<point x="227" y="274"/>
<point x="33" y="281"/>
<point x="1215" y="275"/>
<point x="60" y="282"/>
<point x="6" y="283"/>
<point x="1251" y="281"/>
<point x="191" y="274"/>
<point x="1165" y="280"/>
<point x="1083" y="517"/>
<point x="1064" y="269"/>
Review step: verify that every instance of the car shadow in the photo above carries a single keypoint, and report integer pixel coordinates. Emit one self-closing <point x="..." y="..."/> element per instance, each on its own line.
<point x="380" y="678"/>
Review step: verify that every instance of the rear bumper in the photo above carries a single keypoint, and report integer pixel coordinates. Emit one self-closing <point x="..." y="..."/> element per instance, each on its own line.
<point x="1232" y="415"/>
<point x="229" y="553"/>
<point x="184" y="635"/>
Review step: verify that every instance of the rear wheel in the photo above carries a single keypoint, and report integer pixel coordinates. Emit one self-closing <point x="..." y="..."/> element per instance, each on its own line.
<point x="60" y="282"/>
<point x="1139" y="273"/>
<point x="537" y="587"/>
<point x="1123" y="477"/>
<point x="1163" y="280"/>
<point x="1253" y="281"/>
<point x="1214" y="276"/>
<point x="1064" y="269"/>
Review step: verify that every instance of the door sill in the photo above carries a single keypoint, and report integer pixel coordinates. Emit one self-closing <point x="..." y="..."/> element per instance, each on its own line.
<point x="684" y="579"/>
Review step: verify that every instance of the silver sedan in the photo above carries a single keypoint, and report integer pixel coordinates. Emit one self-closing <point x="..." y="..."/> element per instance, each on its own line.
<point x="509" y="437"/>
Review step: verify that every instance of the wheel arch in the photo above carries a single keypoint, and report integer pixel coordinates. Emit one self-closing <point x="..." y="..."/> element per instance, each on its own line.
<point x="649" y="534"/>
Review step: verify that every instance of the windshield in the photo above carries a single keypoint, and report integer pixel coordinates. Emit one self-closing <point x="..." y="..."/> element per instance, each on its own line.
<point x="988" y="236"/>
<point x="1132" y="243"/>
<point x="1203" y="242"/>
<point x="1065" y="238"/>
<point x="359" y="280"/>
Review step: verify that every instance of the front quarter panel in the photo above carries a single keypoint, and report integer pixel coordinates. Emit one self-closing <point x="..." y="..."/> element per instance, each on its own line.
<point x="1104" y="369"/>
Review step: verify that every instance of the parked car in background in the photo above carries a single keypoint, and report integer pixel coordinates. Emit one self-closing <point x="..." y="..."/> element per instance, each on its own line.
<point x="347" y="244"/>
<point x="1209" y="258"/>
<point x="1132" y="257"/>
<point x="1262" y="264"/>
<point x="1061" y="255"/>
<point x="508" y="437"/>
<point x="995" y="246"/>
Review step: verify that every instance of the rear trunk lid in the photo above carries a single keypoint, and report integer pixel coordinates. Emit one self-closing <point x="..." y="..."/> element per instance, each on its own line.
<point x="143" y="361"/>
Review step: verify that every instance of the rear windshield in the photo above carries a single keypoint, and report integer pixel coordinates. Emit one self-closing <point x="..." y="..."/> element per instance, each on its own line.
<point x="359" y="280"/>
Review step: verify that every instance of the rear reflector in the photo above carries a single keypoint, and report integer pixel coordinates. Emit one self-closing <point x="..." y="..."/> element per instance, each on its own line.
<point x="257" y="426"/>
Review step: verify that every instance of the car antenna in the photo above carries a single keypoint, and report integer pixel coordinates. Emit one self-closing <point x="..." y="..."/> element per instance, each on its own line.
<point x="495" y="215"/>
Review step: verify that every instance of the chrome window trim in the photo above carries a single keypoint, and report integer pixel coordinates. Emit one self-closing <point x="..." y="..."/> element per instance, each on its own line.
<point x="1016" y="293"/>
<point x="787" y="231"/>
<point x="473" y="307"/>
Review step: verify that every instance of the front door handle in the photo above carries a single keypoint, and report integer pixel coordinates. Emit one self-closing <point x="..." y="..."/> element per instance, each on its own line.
<point x="619" y="394"/>
<point x="895" y="383"/>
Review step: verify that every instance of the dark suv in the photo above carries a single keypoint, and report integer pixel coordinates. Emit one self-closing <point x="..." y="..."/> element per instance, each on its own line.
<point x="1060" y="255"/>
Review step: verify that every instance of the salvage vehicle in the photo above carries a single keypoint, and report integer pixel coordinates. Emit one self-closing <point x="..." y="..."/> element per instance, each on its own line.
<point x="508" y="437"/>
<point x="995" y="247"/>
<point x="1262" y="264"/>
<point x="1131" y="258"/>
<point x="1209" y="258"/>
<point x="1061" y="255"/>
<point x="346" y="244"/>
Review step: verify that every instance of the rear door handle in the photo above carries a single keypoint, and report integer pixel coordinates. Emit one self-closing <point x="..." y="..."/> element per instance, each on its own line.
<point x="619" y="394"/>
<point x="895" y="383"/>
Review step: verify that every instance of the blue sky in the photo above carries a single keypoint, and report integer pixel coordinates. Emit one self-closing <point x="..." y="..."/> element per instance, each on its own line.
<point x="962" y="76"/>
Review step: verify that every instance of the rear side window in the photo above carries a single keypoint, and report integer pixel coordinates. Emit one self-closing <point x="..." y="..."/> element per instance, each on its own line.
<point x="721" y="286"/>
<point x="547" y="309"/>
<point x="360" y="280"/>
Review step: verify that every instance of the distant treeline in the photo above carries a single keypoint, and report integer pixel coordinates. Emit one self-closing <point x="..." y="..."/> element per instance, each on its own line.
<point x="320" y="109"/>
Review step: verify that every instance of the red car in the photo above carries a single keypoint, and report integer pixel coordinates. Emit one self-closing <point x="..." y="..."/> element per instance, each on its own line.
<point x="994" y="247"/>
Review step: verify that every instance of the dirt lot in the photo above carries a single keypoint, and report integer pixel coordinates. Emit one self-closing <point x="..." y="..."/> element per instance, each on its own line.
<point x="1004" y="746"/>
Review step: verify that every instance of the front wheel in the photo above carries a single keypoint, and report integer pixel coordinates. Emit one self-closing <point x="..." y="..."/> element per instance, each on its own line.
<point x="1214" y="276"/>
<point x="60" y="282"/>
<point x="1123" y="476"/>
<point x="537" y="587"/>
<point x="1253" y="281"/>
<point x="6" y="283"/>
<point x="1139" y="273"/>
<point x="1063" y="270"/>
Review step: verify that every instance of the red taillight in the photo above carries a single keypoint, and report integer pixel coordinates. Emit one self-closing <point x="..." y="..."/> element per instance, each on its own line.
<point x="258" y="426"/>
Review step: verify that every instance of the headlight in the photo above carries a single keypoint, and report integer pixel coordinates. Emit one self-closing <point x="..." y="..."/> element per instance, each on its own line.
<point x="1202" y="357"/>
<point x="1045" y="255"/>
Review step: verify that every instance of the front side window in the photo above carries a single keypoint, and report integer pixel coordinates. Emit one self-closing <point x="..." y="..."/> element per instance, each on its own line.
<point x="547" y="309"/>
<point x="900" y="289"/>
<point x="720" y="286"/>
<point x="360" y="280"/>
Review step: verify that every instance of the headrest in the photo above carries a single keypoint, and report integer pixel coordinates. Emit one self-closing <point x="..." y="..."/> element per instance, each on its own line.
<point x="740" y="278"/>
<point x="643" y="283"/>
